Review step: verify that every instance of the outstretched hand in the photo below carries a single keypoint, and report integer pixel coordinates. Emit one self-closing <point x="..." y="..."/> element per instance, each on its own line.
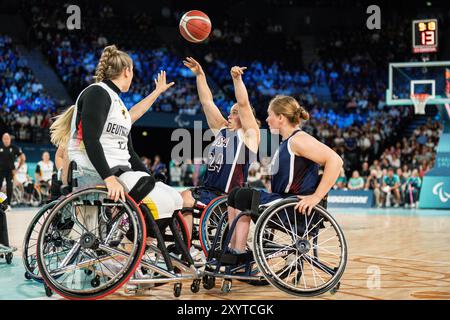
<point x="161" y="82"/>
<point x="236" y="72"/>
<point x="193" y="65"/>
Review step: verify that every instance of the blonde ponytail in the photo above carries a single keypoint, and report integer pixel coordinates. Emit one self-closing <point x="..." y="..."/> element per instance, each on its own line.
<point x="111" y="64"/>
<point x="60" y="129"/>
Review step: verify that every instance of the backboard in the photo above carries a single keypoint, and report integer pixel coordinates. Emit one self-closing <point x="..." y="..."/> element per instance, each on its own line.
<point x="407" y="79"/>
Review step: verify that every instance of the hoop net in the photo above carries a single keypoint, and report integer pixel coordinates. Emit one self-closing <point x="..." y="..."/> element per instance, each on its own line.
<point x="420" y="101"/>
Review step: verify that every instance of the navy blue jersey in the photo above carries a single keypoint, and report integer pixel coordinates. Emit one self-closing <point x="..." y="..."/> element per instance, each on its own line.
<point x="291" y="174"/>
<point x="228" y="161"/>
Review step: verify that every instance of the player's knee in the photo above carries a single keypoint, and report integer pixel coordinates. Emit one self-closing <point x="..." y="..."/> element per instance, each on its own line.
<point x="188" y="200"/>
<point x="173" y="197"/>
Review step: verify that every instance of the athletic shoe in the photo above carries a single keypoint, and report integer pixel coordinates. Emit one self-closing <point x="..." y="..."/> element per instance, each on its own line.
<point x="396" y="205"/>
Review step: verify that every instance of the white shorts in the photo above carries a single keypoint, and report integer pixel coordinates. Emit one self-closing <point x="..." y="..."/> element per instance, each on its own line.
<point x="163" y="199"/>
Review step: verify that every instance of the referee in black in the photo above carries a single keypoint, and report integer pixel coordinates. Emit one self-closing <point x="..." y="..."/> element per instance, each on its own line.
<point x="8" y="155"/>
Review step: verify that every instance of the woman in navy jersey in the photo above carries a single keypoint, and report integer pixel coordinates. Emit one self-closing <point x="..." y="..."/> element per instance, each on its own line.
<point x="235" y="145"/>
<point x="294" y="167"/>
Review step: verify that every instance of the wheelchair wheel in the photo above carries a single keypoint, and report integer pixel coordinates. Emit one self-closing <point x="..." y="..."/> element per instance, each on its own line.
<point x="87" y="231"/>
<point x="30" y="242"/>
<point x="210" y="220"/>
<point x="17" y="196"/>
<point x="304" y="255"/>
<point x="35" y="197"/>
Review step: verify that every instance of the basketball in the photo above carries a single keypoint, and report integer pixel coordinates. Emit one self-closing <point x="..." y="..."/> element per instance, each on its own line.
<point x="195" y="26"/>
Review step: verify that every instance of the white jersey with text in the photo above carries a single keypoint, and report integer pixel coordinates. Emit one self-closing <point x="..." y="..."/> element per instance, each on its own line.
<point x="114" y="138"/>
<point x="45" y="170"/>
<point x="21" y="173"/>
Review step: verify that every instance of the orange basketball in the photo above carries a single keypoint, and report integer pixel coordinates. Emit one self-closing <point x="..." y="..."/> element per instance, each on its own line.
<point x="195" y="26"/>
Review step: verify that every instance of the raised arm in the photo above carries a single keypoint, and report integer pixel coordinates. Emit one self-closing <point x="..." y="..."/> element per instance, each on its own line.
<point x="213" y="116"/>
<point x="140" y="108"/>
<point x="248" y="120"/>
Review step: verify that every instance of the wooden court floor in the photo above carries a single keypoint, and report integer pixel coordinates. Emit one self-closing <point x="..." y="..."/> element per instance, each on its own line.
<point x="392" y="254"/>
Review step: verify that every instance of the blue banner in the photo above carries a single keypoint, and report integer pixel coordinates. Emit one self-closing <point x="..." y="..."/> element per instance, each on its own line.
<point x="350" y="199"/>
<point x="435" y="191"/>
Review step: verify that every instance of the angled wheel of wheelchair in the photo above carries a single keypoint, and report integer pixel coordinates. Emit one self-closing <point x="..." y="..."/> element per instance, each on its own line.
<point x="30" y="242"/>
<point x="209" y="222"/>
<point x="209" y="225"/>
<point x="35" y="197"/>
<point x="86" y="236"/>
<point x="304" y="255"/>
<point x="17" y="196"/>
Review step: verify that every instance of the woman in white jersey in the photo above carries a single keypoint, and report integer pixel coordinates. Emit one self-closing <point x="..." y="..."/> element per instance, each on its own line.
<point x="45" y="169"/>
<point x="100" y="139"/>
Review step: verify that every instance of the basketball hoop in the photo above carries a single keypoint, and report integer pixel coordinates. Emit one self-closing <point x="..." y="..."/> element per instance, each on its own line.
<point x="420" y="101"/>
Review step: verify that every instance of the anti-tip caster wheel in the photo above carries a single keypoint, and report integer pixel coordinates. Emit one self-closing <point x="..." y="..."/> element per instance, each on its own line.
<point x="209" y="282"/>
<point x="177" y="290"/>
<point x="195" y="286"/>
<point x="226" y="286"/>
<point x="9" y="258"/>
<point x="95" y="282"/>
<point x="48" y="291"/>
<point x="335" y="289"/>
<point x="131" y="289"/>
<point x="27" y="276"/>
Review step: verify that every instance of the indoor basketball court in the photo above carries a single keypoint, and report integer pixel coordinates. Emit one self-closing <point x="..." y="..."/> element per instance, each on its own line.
<point x="380" y="267"/>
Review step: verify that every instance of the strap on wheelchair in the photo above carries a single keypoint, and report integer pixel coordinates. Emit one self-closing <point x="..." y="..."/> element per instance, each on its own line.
<point x="256" y="200"/>
<point x="187" y="209"/>
<point x="70" y="180"/>
<point x="231" y="259"/>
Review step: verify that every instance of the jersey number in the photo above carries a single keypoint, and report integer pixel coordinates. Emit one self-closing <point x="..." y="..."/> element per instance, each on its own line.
<point x="215" y="162"/>
<point x="122" y="145"/>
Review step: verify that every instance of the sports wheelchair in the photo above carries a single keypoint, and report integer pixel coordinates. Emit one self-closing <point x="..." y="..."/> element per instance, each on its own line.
<point x="213" y="211"/>
<point x="89" y="246"/>
<point x="29" y="194"/>
<point x="303" y="255"/>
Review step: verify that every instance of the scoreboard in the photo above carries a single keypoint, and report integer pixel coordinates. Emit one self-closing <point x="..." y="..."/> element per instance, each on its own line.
<point x="425" y="35"/>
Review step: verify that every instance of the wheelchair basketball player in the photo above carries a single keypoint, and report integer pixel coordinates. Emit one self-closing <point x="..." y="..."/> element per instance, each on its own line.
<point x="295" y="169"/>
<point x="234" y="148"/>
<point x="100" y="140"/>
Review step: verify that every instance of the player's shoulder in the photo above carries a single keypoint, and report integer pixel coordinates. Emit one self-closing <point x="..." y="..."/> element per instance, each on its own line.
<point x="95" y="91"/>
<point x="301" y="136"/>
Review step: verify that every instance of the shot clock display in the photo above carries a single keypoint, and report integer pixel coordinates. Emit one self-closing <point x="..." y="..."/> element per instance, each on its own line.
<point x="425" y="35"/>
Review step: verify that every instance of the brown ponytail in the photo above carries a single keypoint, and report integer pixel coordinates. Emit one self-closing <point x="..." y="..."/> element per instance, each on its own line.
<point x="290" y="108"/>
<point x="111" y="64"/>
